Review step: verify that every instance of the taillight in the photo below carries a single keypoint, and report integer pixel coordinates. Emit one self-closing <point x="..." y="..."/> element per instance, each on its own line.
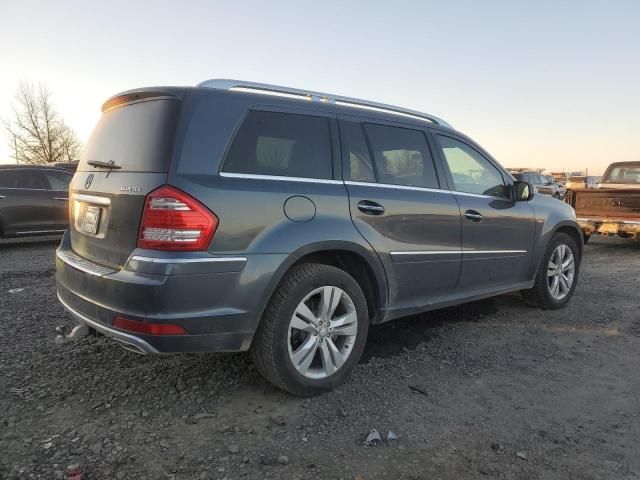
<point x="147" y="328"/>
<point x="173" y="220"/>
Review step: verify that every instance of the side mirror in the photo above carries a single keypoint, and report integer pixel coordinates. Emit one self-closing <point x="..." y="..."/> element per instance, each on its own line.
<point x="522" y="191"/>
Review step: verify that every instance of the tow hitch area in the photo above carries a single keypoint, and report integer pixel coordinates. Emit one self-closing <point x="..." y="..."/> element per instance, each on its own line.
<point x="76" y="333"/>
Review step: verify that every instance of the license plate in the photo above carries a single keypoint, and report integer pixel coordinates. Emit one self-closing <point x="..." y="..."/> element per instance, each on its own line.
<point x="90" y="220"/>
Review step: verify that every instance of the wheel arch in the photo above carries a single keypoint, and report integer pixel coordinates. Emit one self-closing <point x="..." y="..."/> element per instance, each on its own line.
<point x="568" y="227"/>
<point x="361" y="263"/>
<point x="573" y="231"/>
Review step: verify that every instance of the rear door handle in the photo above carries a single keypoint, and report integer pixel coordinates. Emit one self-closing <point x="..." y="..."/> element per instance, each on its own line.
<point x="2" y="196"/>
<point x="370" y="208"/>
<point x="473" y="216"/>
<point x="61" y="199"/>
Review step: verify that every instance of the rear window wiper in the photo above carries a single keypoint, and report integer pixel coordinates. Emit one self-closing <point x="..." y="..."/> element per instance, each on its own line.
<point x="110" y="164"/>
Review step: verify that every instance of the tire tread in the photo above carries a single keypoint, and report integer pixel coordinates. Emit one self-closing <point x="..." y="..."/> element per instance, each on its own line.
<point x="263" y="348"/>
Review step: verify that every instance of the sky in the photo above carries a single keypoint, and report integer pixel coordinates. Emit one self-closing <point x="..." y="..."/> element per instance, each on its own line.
<point x="549" y="84"/>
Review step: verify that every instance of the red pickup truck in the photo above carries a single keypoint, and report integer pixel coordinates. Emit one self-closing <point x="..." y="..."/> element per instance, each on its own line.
<point x="613" y="208"/>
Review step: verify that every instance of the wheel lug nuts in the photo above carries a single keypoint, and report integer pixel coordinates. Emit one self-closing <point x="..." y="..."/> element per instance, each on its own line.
<point x="315" y="332"/>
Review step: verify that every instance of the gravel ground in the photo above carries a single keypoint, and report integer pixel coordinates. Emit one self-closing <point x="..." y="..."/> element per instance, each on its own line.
<point x="492" y="389"/>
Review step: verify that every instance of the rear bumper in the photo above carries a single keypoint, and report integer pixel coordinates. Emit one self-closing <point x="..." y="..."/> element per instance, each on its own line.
<point x="219" y="304"/>
<point x="129" y="341"/>
<point x="610" y="226"/>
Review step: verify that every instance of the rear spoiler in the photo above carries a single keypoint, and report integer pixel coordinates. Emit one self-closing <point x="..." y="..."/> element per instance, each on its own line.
<point x="135" y="96"/>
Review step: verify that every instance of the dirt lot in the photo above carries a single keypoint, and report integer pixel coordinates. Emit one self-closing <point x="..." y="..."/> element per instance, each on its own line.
<point x="493" y="389"/>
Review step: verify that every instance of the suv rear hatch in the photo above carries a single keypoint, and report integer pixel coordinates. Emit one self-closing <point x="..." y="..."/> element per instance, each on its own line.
<point x="128" y="155"/>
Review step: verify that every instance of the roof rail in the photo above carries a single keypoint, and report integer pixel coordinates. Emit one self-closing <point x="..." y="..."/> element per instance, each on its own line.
<point x="241" y="85"/>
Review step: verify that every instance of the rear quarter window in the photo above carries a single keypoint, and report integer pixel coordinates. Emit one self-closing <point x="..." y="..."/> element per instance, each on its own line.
<point x="281" y="144"/>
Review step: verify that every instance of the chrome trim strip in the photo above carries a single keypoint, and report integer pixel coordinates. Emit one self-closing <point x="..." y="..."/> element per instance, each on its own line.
<point x="95" y="269"/>
<point x="39" y="231"/>
<point x="494" y="251"/>
<point x="140" y="258"/>
<point x="478" y="195"/>
<point x="453" y="252"/>
<point x="118" y="335"/>
<point x="398" y="187"/>
<point x="92" y="199"/>
<point x="428" y="252"/>
<point x="351" y="182"/>
<point x="276" y="177"/>
<point x="420" y="189"/>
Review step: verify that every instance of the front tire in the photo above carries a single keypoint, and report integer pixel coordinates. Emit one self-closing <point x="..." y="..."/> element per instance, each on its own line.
<point x="557" y="275"/>
<point x="313" y="331"/>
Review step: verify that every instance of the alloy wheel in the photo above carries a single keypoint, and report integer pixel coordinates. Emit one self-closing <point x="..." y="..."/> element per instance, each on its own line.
<point x="322" y="332"/>
<point x="561" y="272"/>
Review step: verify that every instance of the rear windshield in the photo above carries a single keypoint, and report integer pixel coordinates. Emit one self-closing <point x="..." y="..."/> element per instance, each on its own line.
<point x="628" y="173"/>
<point x="138" y="137"/>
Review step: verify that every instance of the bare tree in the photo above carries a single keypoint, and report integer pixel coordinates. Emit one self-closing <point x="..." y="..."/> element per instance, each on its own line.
<point x="37" y="134"/>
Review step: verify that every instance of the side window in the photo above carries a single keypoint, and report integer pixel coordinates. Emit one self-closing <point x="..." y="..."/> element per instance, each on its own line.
<point x="8" y="178"/>
<point x="282" y="144"/>
<point x="471" y="172"/>
<point x="58" y="180"/>
<point x="30" y="179"/>
<point x="360" y="166"/>
<point x="401" y="156"/>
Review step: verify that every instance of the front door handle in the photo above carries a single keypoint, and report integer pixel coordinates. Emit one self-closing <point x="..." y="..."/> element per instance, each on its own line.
<point x="61" y="199"/>
<point x="370" y="208"/>
<point x="473" y="216"/>
<point x="2" y="196"/>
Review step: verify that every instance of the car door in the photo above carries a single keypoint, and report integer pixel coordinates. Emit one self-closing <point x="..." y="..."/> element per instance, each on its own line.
<point x="58" y="183"/>
<point x="397" y="204"/>
<point x="24" y="202"/>
<point x="497" y="232"/>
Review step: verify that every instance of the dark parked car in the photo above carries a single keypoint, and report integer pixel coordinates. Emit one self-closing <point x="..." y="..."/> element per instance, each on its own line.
<point x="33" y="200"/>
<point x="544" y="184"/>
<point x="237" y="216"/>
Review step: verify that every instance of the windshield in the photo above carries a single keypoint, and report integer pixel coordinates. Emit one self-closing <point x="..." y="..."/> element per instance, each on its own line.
<point x="627" y="173"/>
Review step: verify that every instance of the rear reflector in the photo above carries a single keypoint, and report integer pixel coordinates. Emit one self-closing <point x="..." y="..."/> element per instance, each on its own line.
<point x="148" y="328"/>
<point x="173" y="220"/>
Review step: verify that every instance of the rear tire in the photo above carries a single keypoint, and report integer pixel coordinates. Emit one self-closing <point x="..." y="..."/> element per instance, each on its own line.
<point x="557" y="275"/>
<point x="313" y="331"/>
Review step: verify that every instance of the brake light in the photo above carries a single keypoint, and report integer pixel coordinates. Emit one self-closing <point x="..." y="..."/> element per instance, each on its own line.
<point x="173" y="220"/>
<point x="148" y="328"/>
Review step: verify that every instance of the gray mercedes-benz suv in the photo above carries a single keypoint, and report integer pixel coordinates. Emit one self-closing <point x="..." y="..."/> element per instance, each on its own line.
<point x="236" y="216"/>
